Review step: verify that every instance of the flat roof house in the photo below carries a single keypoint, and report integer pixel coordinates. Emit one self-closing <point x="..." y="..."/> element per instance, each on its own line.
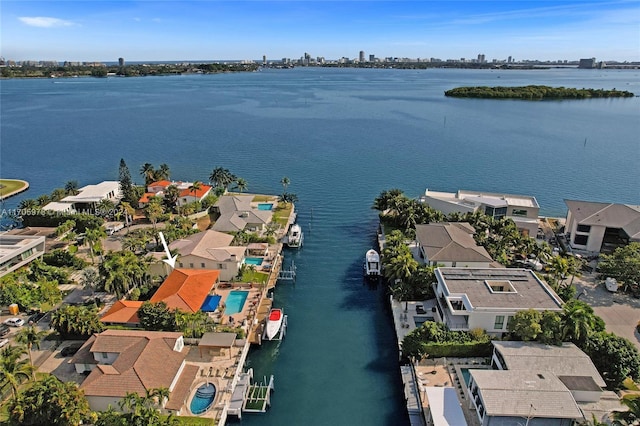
<point x="522" y="209"/>
<point x="451" y="244"/>
<point x="487" y="298"/>
<point x="17" y="251"/>
<point x="88" y="198"/>
<point x="122" y="361"/>
<point x="542" y="384"/>
<point x="601" y="227"/>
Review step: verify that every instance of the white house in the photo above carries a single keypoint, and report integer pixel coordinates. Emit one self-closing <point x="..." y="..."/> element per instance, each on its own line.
<point x="88" y="198"/>
<point x="209" y="250"/>
<point x="486" y="298"/>
<point x="522" y="209"/>
<point x="17" y="251"/>
<point x="597" y="227"/>
<point x="451" y="244"/>
<point x="122" y="361"/>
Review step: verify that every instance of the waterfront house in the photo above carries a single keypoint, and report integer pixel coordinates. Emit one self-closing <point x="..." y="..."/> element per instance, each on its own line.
<point x="545" y="384"/>
<point x="186" y="289"/>
<point x="451" y="244"/>
<point x="186" y="192"/>
<point x="240" y="213"/>
<point x="88" y="198"/>
<point x="209" y="250"/>
<point x="601" y="227"/>
<point x="190" y="195"/>
<point x="468" y="298"/>
<point x="122" y="361"/>
<point x="522" y="209"/>
<point x="17" y="251"/>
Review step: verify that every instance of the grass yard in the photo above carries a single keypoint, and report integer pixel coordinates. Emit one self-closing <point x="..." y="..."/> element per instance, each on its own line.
<point x="281" y="213"/>
<point x="7" y="186"/>
<point x="250" y="276"/>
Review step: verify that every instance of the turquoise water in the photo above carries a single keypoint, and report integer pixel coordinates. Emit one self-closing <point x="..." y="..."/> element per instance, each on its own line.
<point x="203" y="398"/>
<point x="265" y="206"/>
<point x="465" y="375"/>
<point x="341" y="136"/>
<point x="235" y="302"/>
<point x="253" y="260"/>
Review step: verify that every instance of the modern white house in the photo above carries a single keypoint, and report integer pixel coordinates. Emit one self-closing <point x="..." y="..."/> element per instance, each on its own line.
<point x="601" y="227"/>
<point x="522" y="209"/>
<point x="122" y="361"/>
<point x="209" y="250"/>
<point x="17" y="251"/>
<point x="451" y="244"/>
<point x="538" y="384"/>
<point x="488" y="298"/>
<point x="87" y="198"/>
<point x="240" y="213"/>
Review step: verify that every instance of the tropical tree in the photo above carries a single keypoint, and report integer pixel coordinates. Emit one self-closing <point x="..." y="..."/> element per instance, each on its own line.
<point x="288" y="197"/>
<point x="13" y="369"/>
<point x="93" y="238"/>
<point x="163" y="172"/>
<point x="171" y="195"/>
<point x="623" y="265"/>
<point x="126" y="184"/>
<point x="615" y="357"/>
<point x="241" y="184"/>
<point x="525" y="325"/>
<point x="30" y="204"/>
<point x="195" y="187"/>
<point x="193" y="325"/>
<point x="71" y="187"/>
<point x="285" y="183"/>
<point x="221" y="177"/>
<point x="122" y="271"/>
<point x="143" y="410"/>
<point x="386" y="199"/>
<point x="632" y="415"/>
<point x="153" y="211"/>
<point x="400" y="267"/>
<point x="50" y="402"/>
<point x="128" y="211"/>
<point x="105" y="208"/>
<point x="90" y="278"/>
<point x="58" y="194"/>
<point x="30" y="336"/>
<point x="156" y="317"/>
<point x="76" y="321"/>
<point x="579" y="322"/>
<point x="148" y="173"/>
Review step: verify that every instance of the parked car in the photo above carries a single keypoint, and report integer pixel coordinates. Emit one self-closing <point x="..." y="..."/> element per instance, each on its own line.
<point x="14" y="322"/>
<point x="71" y="349"/>
<point x="4" y="330"/>
<point x="3" y="342"/>
<point x="33" y="319"/>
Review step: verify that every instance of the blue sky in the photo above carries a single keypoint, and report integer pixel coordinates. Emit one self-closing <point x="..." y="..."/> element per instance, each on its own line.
<point x="205" y="30"/>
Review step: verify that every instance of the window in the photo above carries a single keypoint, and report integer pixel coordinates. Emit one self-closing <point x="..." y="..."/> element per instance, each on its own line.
<point x="583" y="228"/>
<point x="180" y="263"/>
<point x="580" y="240"/>
<point x="499" y="322"/>
<point x="105" y="355"/>
<point x="191" y="265"/>
<point x="519" y="212"/>
<point x="509" y="318"/>
<point x="202" y="265"/>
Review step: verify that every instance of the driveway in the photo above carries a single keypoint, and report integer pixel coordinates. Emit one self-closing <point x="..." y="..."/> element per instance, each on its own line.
<point x="620" y="312"/>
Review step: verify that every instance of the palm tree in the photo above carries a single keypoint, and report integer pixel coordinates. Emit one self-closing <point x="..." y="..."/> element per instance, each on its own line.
<point x="128" y="212"/>
<point x="194" y="188"/>
<point x="241" y="184"/>
<point x="89" y="278"/>
<point x="93" y="238"/>
<point x="285" y="183"/>
<point x="43" y="200"/>
<point x="148" y="172"/>
<point x="71" y="187"/>
<point x="401" y="267"/>
<point x="13" y="369"/>
<point x="29" y="204"/>
<point x="163" y="172"/>
<point x="30" y="336"/>
<point x="58" y="194"/>
<point x="578" y="322"/>
<point x="221" y="177"/>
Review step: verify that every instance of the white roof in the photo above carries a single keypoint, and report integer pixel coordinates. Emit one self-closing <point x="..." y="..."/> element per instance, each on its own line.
<point x="445" y="407"/>
<point x="58" y="207"/>
<point x="95" y="193"/>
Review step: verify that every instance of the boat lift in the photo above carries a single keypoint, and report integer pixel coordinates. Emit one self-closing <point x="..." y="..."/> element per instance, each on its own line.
<point x="281" y="333"/>
<point x="288" y="274"/>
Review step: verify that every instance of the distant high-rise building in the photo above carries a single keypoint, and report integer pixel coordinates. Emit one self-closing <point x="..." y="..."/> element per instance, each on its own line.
<point x="264" y="59"/>
<point x="372" y="58"/>
<point x="121" y="62"/>
<point x="361" y="58"/>
<point x="587" y="63"/>
<point x="481" y="58"/>
<point x="509" y="60"/>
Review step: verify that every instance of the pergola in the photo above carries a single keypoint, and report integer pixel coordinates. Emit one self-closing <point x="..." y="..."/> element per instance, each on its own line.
<point x="217" y="341"/>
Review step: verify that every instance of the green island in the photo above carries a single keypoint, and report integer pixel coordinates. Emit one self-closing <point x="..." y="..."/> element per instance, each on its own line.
<point x="534" y="93"/>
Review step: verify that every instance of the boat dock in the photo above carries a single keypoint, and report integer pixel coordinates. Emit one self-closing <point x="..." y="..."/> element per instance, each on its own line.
<point x="281" y="333"/>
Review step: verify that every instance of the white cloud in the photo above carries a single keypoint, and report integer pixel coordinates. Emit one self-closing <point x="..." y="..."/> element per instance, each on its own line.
<point x="45" y="22"/>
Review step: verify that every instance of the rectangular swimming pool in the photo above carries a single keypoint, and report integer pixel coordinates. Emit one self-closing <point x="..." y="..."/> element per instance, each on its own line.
<point x="265" y="206"/>
<point x="421" y="320"/>
<point x="253" y="260"/>
<point x="235" y="302"/>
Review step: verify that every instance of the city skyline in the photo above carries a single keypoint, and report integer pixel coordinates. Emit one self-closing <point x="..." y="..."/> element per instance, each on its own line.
<point x="205" y="30"/>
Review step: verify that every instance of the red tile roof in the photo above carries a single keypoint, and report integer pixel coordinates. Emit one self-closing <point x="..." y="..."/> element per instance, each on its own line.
<point x="162" y="183"/>
<point x="123" y="311"/>
<point x="146" y="197"/>
<point x="145" y="360"/>
<point x="199" y="193"/>
<point x="186" y="289"/>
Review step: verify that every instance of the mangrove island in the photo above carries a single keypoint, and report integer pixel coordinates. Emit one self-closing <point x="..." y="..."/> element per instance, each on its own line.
<point x="534" y="93"/>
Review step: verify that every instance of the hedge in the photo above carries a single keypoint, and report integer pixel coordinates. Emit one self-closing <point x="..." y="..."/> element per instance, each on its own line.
<point x="458" y="350"/>
<point x="44" y="218"/>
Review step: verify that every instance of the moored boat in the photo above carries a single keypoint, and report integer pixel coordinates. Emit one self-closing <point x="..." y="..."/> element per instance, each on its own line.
<point x="295" y="236"/>
<point x="274" y="322"/>
<point x="372" y="264"/>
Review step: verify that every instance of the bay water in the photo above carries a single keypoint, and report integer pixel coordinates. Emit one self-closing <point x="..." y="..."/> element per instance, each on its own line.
<point x="341" y="136"/>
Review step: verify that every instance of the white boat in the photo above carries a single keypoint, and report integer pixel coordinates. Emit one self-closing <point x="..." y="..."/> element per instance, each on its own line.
<point x="372" y="263"/>
<point x="611" y="284"/>
<point x="274" y="322"/>
<point x="295" y="236"/>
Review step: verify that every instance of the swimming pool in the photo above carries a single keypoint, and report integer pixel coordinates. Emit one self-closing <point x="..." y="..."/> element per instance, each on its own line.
<point x="235" y="301"/>
<point x="253" y="260"/>
<point x="465" y="376"/>
<point x="203" y="398"/>
<point x="265" y="206"/>
<point x="421" y="320"/>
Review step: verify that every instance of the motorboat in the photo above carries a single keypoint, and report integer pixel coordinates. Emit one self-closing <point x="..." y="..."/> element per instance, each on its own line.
<point x="372" y="264"/>
<point x="274" y="322"/>
<point x="295" y="236"/>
